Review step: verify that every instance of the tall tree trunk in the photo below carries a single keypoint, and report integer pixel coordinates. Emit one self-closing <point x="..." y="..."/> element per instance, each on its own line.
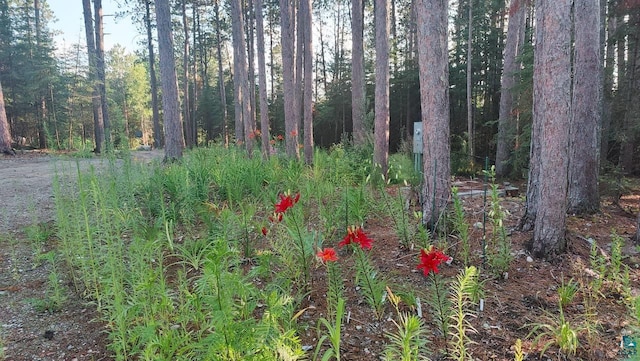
<point x="100" y="71"/>
<point x="586" y="110"/>
<point x="552" y="111"/>
<point x="469" y="89"/>
<point x="173" y="131"/>
<point x="433" y="61"/>
<point x="250" y="25"/>
<point x="357" y="72"/>
<point x="186" y="103"/>
<point x="290" y="122"/>
<point x="632" y="106"/>
<point x="381" y="130"/>
<point x="196" y="90"/>
<point x="153" y="80"/>
<point x="240" y="78"/>
<point x="513" y="48"/>
<point x="299" y="56"/>
<point x="98" y="121"/>
<point x="262" y="82"/>
<point x="611" y="27"/>
<point x="5" y="135"/>
<point x="221" y="83"/>
<point x="42" y="104"/>
<point x="306" y="19"/>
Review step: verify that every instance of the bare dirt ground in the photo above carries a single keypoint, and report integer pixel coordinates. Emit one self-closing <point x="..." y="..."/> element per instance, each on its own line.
<point x="26" y="198"/>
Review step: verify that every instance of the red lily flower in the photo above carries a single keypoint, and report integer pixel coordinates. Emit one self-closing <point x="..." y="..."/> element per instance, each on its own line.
<point x="356" y="235"/>
<point x="327" y="255"/>
<point x="286" y="202"/>
<point x="264" y="231"/>
<point x="430" y="260"/>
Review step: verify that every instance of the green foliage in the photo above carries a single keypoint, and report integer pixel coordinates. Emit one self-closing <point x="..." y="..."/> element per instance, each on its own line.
<point x="567" y="292"/>
<point x="438" y="301"/>
<point x="371" y="283"/>
<point x="557" y="331"/>
<point x="334" y="334"/>
<point x="462" y="297"/>
<point x="499" y="248"/>
<point x="461" y="227"/>
<point x="408" y="343"/>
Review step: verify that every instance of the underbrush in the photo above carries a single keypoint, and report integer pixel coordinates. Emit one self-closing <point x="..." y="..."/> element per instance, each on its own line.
<point x="225" y="257"/>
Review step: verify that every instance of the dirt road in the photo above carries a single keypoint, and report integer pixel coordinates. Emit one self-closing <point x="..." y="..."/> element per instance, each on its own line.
<point x="27" y="332"/>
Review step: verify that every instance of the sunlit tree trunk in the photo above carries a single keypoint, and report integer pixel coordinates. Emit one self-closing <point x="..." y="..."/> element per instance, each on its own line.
<point x="100" y="71"/>
<point x="632" y="105"/>
<point x="611" y="27"/>
<point x="357" y="72"/>
<point x="173" y="131"/>
<point x="470" y="134"/>
<point x="287" y="35"/>
<point x="42" y="104"/>
<point x="433" y="60"/>
<point x="188" y="125"/>
<point x="221" y="84"/>
<point x="262" y="82"/>
<point x="381" y="130"/>
<point x="513" y="48"/>
<point x="552" y="115"/>
<point x="98" y="121"/>
<point x="242" y="99"/>
<point x="306" y="19"/>
<point x="157" y="131"/>
<point x="586" y="110"/>
<point x="299" y="56"/>
<point x="5" y="135"/>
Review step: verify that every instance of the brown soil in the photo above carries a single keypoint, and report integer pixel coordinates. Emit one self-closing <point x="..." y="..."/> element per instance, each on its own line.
<point x="529" y="291"/>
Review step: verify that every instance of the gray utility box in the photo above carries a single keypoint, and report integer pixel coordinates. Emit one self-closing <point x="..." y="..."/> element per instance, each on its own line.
<point x="417" y="137"/>
<point x="417" y="146"/>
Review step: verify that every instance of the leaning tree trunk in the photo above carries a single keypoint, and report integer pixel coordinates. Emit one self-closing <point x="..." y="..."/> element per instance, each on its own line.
<point x="433" y="64"/>
<point x="173" y="132"/>
<point x="513" y="48"/>
<point x="98" y="121"/>
<point x="381" y="130"/>
<point x="552" y="113"/>
<point x="586" y="110"/>
<point x="357" y="72"/>
<point x="5" y="136"/>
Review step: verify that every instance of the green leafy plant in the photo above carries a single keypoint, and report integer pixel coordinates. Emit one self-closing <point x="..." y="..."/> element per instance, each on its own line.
<point x="335" y="284"/>
<point x="499" y="249"/>
<point x="567" y="292"/>
<point x="371" y="283"/>
<point x="334" y="334"/>
<point x="438" y="301"/>
<point x="408" y="342"/>
<point x="556" y="331"/>
<point x="462" y="298"/>
<point x="461" y="227"/>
